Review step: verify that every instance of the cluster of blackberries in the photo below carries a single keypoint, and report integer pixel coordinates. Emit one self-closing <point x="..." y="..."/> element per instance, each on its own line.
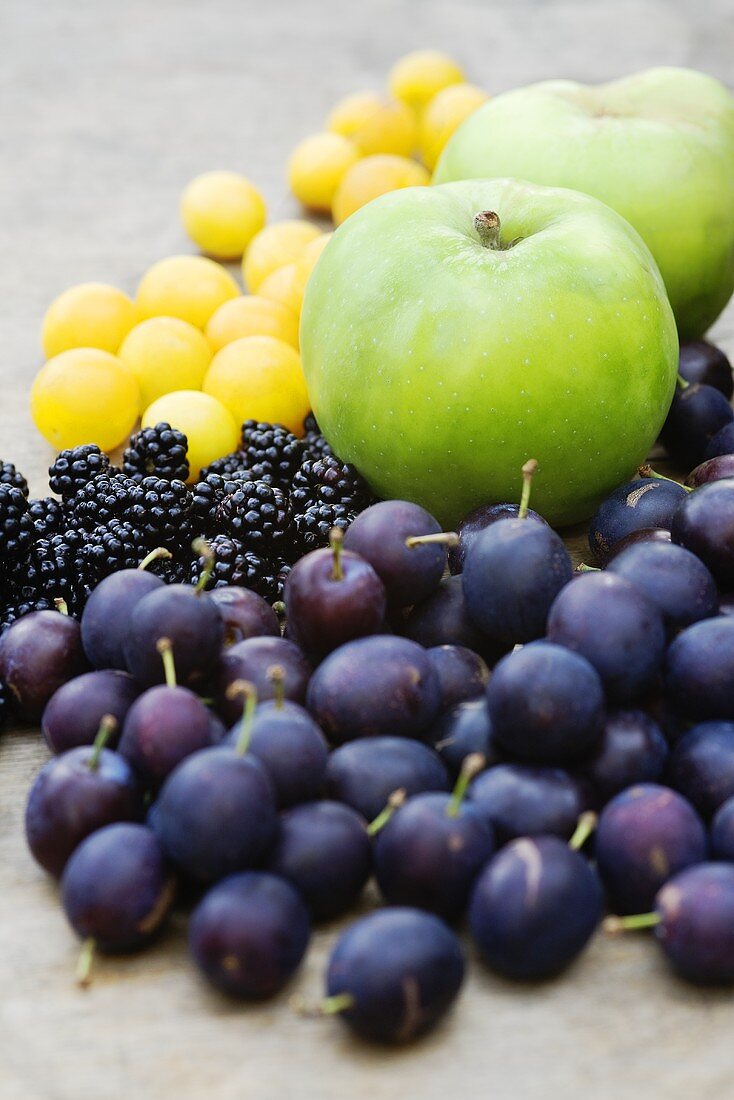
<point x="260" y="508"/>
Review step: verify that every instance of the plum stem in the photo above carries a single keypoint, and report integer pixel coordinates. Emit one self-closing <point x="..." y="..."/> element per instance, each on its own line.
<point x="61" y="606"/>
<point x="204" y="550"/>
<point x="244" y="687"/>
<point x="159" y="554"/>
<point x="164" y="647"/>
<point x="584" y="828"/>
<point x="442" y="538"/>
<point x="336" y="541"/>
<point x="84" y="962"/>
<point x="394" y="802"/>
<point x="648" y="471"/>
<point x="681" y="382"/>
<point x="276" y="675"/>
<point x="329" y="1006"/>
<point x="528" y="472"/>
<point x="637" y="921"/>
<point x="488" y="227"/>
<point x="107" y="727"/>
<point x="470" y="766"/>
<point x="584" y="568"/>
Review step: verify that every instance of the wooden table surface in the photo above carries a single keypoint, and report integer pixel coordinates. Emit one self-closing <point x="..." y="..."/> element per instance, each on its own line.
<point x="106" y="110"/>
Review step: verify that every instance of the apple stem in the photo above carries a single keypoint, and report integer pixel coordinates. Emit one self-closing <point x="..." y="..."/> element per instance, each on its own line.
<point x="471" y="765"/>
<point x="84" y="963"/>
<point x="394" y="802"/>
<point x="107" y="727"/>
<point x="613" y="925"/>
<point x="204" y="550"/>
<point x="528" y="471"/>
<point x="159" y="554"/>
<point x="164" y="647"/>
<point x="336" y="540"/>
<point x="585" y="827"/>
<point x="443" y="538"/>
<point x="488" y="227"/>
<point x="245" y="688"/>
<point x="276" y="675"/>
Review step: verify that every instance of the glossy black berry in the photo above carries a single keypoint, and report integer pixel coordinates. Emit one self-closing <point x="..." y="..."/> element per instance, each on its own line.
<point x="236" y="565"/>
<point x="48" y="516"/>
<point x="272" y="447"/>
<point x="159" y="451"/>
<point x="16" y="528"/>
<point x="255" y="514"/>
<point x="9" y="475"/>
<point x="75" y="468"/>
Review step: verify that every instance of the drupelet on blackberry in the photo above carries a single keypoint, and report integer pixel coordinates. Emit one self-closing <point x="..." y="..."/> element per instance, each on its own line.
<point x="10" y="475"/>
<point x="255" y="514"/>
<point x="273" y="449"/>
<point x="17" y="532"/>
<point x="233" y="564"/>
<point x="48" y="516"/>
<point x="159" y="451"/>
<point x="75" y="468"/>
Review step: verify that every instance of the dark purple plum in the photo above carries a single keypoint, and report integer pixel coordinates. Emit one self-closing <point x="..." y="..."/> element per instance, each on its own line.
<point x="702" y="362"/>
<point x="632" y="750"/>
<point x="699" y="664"/>
<point x="722" y="832"/>
<point x="373" y="686"/>
<point x="379" y="534"/>
<point x="253" y="661"/>
<point x="38" y="653"/>
<point x="674" y="579"/>
<point x="534" y="908"/>
<point x="696" y="414"/>
<point x="363" y="774"/>
<point x="73" y="714"/>
<point x="702" y="766"/>
<point x="462" y="673"/>
<point x="192" y="623"/>
<point x="645" y="835"/>
<point x="323" y="849"/>
<point x="616" y="628"/>
<point x="635" y="506"/>
<point x="331" y="597"/>
<point x="443" y="619"/>
<point x="704" y="524"/>
<point x="117" y="890"/>
<point x="164" y="725"/>
<point x="244" y="613"/>
<point x="545" y="704"/>
<point x="479" y="520"/>
<point x="107" y="614"/>
<point x="518" y="800"/>
<point x="721" y="443"/>
<point x="713" y="469"/>
<point x="249" y="934"/>
<point x="74" y="795"/>
<point x="644" y="536"/>
<point x="393" y="974"/>
<point x="462" y="730"/>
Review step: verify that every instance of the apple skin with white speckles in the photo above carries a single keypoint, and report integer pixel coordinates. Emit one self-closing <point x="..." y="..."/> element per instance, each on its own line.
<point x="439" y="365"/>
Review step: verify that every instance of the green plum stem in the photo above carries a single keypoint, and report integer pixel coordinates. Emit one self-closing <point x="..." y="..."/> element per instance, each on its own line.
<point x="164" y="647"/>
<point x="681" y="382"/>
<point x="84" y="962"/>
<point x="638" y="921"/>
<point x="159" y="554"/>
<point x="107" y="727"/>
<point x="488" y="227"/>
<point x="61" y="606"/>
<point x="276" y="675"/>
<point x="471" y="766"/>
<point x="394" y="802"/>
<point x="204" y="550"/>
<point x="585" y="827"/>
<point x="336" y="541"/>
<point x="584" y="568"/>
<point x="244" y="687"/>
<point x="329" y="1006"/>
<point x="528" y="472"/>
<point x="648" y="471"/>
<point x="279" y="608"/>
<point x="442" y="538"/>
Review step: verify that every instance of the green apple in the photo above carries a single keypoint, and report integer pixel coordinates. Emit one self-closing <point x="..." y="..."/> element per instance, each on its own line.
<point x="442" y="349"/>
<point x="657" y="147"/>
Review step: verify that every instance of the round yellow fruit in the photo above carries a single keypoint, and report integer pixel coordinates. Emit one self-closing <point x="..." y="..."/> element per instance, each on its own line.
<point x="417" y="77"/>
<point x="209" y="427"/>
<point x="317" y="166"/>
<point x="222" y="212"/>
<point x="375" y="176"/>
<point x="443" y="116"/>
<point x="189" y="287"/>
<point x="285" y="285"/>
<point x="308" y="259"/>
<point x="275" y="246"/>
<point x="252" y="315"/>
<point x="375" y="123"/>
<point x="90" y="315"/>
<point x="260" y="378"/>
<point x="85" y="395"/>
<point x="166" y="353"/>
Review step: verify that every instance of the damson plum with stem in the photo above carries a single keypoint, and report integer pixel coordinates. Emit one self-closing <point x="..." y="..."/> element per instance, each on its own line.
<point x="520" y="800"/>
<point x="73" y="714"/>
<point x="464" y="729"/>
<point x="535" y="906"/>
<point x="117" y="890"/>
<point x="331" y="597"/>
<point x="410" y="570"/>
<point x="632" y="749"/>
<point x="698" y="670"/>
<point x="513" y="572"/>
<point x="38" y="653"/>
<point x="615" y="627"/>
<point x="443" y="619"/>
<point x="108" y="611"/>
<point x="477" y="521"/>
<point x="713" y="469"/>
<point x="462" y="673"/>
<point x="249" y="934"/>
<point x="702" y="766"/>
<point x="75" y="794"/>
<point x="372" y="686"/>
<point x="645" y="835"/>
<point x="393" y="974"/>
<point x="432" y="848"/>
<point x="648" y="502"/>
<point x="700" y="361"/>
<point x="704" y="524"/>
<point x="323" y="849"/>
<point x="696" y="414"/>
<point x="244" y="613"/>
<point x="674" y="579"/>
<point x="252" y="660"/>
<point x="364" y="773"/>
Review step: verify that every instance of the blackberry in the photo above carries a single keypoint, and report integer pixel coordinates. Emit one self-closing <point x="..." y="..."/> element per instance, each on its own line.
<point x="236" y="565"/>
<point x="226" y="466"/>
<point x="173" y="570"/>
<point x="164" y="507"/>
<point x="206" y="497"/>
<point x="159" y="451"/>
<point x="16" y="528"/>
<point x="116" y="545"/>
<point x="58" y="569"/>
<point x="48" y="516"/>
<point x="75" y="468"/>
<point x="330" y="481"/>
<point x="314" y="443"/>
<point x="272" y="447"/>
<point x="9" y="475"/>
<point x="311" y="527"/>
<point x="255" y="514"/>
<point x="109" y="496"/>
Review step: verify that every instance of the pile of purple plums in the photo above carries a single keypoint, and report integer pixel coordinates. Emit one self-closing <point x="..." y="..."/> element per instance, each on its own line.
<point x="272" y="768"/>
